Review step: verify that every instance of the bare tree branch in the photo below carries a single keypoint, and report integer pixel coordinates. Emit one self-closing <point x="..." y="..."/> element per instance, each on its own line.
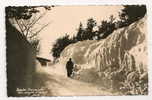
<point x="34" y="22"/>
<point x="39" y="30"/>
<point x="26" y="27"/>
<point x="19" y="26"/>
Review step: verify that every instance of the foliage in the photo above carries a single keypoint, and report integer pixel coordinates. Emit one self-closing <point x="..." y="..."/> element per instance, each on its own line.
<point x="60" y="44"/>
<point x="80" y="32"/>
<point x="89" y="33"/>
<point x="106" y="28"/>
<point x="130" y="14"/>
<point x="25" y="12"/>
<point x="25" y="18"/>
<point x="86" y="33"/>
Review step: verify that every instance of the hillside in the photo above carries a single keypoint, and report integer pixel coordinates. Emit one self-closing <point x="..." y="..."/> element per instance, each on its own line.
<point x="121" y="52"/>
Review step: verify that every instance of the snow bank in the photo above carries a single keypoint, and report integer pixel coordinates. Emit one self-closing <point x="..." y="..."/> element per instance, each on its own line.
<point x="125" y="49"/>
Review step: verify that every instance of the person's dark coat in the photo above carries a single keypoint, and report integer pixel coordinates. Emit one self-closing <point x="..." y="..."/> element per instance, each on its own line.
<point x="69" y="67"/>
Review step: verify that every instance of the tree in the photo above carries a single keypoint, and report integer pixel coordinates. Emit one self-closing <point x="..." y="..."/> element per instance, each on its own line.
<point x="106" y="28"/>
<point x="80" y="33"/>
<point x="102" y="29"/>
<point x="89" y="33"/>
<point x="130" y="14"/>
<point x="60" y="44"/>
<point x="25" y="19"/>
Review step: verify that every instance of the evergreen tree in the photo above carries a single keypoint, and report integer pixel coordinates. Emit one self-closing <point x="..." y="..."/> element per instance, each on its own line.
<point x="60" y="44"/>
<point x="130" y="14"/>
<point x="89" y="33"/>
<point x="106" y="28"/>
<point x="80" y="33"/>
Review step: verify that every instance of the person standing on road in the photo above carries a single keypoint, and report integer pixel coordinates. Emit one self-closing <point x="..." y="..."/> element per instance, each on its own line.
<point x="69" y="67"/>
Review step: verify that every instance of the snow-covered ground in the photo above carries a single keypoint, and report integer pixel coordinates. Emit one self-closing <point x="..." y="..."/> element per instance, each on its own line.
<point x="59" y="85"/>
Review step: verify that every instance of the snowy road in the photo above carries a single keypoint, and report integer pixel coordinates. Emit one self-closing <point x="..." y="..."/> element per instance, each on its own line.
<point x="58" y="85"/>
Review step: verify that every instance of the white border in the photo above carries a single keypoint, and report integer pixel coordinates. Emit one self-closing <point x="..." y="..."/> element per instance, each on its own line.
<point x="4" y="3"/>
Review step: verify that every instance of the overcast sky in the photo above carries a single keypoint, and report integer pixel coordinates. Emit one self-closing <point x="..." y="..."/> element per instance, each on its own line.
<point x="66" y="19"/>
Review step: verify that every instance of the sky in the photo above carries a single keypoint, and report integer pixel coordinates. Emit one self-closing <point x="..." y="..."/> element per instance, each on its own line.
<point x="66" y="19"/>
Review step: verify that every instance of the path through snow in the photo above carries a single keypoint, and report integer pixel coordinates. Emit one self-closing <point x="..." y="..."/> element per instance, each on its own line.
<point x="59" y="85"/>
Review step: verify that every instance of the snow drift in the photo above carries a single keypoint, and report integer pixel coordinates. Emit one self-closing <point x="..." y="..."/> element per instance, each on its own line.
<point x="125" y="47"/>
<point x="125" y="50"/>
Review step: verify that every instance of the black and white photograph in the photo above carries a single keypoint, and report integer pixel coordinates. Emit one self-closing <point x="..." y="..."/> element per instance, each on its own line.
<point x="76" y="50"/>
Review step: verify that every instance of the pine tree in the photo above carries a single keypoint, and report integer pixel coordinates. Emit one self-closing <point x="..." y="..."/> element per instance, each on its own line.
<point x="80" y="33"/>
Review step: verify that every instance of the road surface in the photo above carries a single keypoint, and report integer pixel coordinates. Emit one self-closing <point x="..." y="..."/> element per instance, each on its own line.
<point x="59" y="85"/>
